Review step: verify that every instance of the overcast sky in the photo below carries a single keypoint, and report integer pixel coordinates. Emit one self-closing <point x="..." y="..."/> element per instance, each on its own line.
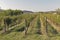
<point x="33" y="5"/>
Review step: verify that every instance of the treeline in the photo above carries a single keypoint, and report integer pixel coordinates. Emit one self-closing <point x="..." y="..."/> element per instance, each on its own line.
<point x="11" y="12"/>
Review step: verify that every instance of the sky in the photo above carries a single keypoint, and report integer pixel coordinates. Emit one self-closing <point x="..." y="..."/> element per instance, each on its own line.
<point x="32" y="5"/>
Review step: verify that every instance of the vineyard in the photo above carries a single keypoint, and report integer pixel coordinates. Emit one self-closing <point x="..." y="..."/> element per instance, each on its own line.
<point x="34" y="26"/>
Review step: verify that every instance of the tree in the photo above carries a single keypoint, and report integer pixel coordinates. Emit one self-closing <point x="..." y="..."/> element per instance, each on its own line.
<point x="9" y="12"/>
<point x="7" y="22"/>
<point x="58" y="11"/>
<point x="17" y="12"/>
<point x="13" y="12"/>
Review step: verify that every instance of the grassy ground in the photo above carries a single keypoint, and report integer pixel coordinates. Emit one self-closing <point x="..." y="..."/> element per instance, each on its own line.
<point x="17" y="33"/>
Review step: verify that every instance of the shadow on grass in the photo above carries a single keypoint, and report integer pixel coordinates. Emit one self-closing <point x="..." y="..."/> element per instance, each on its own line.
<point x="20" y="29"/>
<point x="17" y="29"/>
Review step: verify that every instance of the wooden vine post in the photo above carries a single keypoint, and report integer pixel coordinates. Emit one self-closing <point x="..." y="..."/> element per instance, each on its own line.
<point x="26" y="26"/>
<point x="46" y="24"/>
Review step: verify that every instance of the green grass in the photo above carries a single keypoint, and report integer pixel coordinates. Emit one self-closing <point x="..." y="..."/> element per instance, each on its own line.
<point x="17" y="33"/>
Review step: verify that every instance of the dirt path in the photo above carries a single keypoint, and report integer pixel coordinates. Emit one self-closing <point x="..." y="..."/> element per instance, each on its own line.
<point x="55" y="26"/>
<point x="43" y="28"/>
<point x="31" y="27"/>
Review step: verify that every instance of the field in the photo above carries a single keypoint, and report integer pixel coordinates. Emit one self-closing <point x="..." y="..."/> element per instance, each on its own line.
<point x="33" y="26"/>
